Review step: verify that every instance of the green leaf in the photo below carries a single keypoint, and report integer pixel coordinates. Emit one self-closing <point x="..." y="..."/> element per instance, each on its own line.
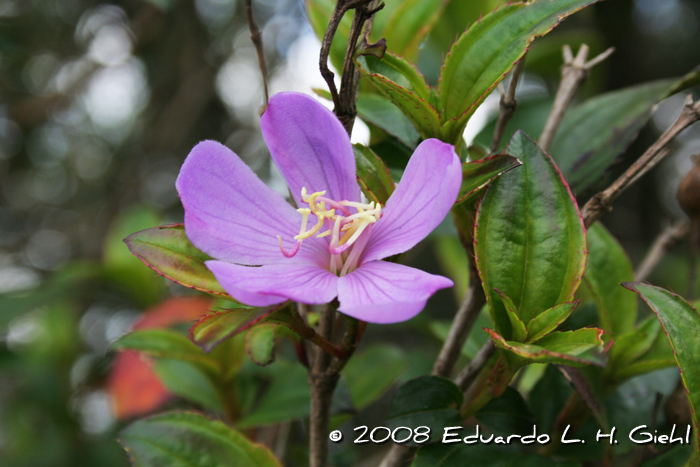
<point x="168" y="251"/>
<point x="214" y="328"/>
<point x="481" y="455"/>
<point x="380" y="112"/>
<point x="192" y="440"/>
<point x="574" y="348"/>
<point x="372" y="175"/>
<point x="477" y="174"/>
<point x="507" y="414"/>
<point x="165" y="343"/>
<point x="426" y="401"/>
<point x="187" y="381"/>
<point x="608" y="266"/>
<point x="630" y="346"/>
<point x="659" y="355"/>
<point x="403" y="85"/>
<point x="549" y="320"/>
<point x="260" y="343"/>
<point x="594" y="133"/>
<point x="286" y="399"/>
<point x="409" y="24"/>
<point x="482" y="56"/>
<point x="682" y="325"/>
<point x="530" y="241"/>
<point x="516" y="325"/>
<point x="370" y="373"/>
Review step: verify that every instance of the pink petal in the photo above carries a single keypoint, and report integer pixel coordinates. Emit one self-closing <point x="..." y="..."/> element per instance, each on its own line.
<point x="310" y="147"/>
<point x="424" y="196"/>
<point x="233" y="216"/>
<point x="267" y="285"/>
<point x="383" y="292"/>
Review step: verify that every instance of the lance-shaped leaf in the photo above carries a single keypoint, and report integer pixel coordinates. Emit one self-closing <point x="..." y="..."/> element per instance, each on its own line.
<point x="516" y="325"/>
<point x="549" y="320"/>
<point x="191" y="439"/>
<point x="632" y="345"/>
<point x="530" y="242"/>
<point x="681" y="323"/>
<point x="594" y="133"/>
<point x="380" y="112"/>
<point x="477" y="174"/>
<point x="409" y="24"/>
<point x="574" y="348"/>
<point x="609" y="266"/>
<point x="403" y="85"/>
<point x="168" y="251"/>
<point x="372" y="175"/>
<point x="166" y="343"/>
<point x="214" y="328"/>
<point x="482" y="56"/>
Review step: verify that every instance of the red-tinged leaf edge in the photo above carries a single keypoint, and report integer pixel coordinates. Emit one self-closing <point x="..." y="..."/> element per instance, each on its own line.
<point x="258" y="316"/>
<point x="515" y="163"/>
<point x="696" y="422"/>
<point x="504" y="345"/>
<point x="129" y="243"/>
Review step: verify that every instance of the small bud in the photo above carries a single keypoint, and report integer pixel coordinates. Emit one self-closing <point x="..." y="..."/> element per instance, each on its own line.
<point x="689" y="190"/>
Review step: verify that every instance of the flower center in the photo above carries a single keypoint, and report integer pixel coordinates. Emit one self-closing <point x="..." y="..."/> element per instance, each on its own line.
<point x="346" y="229"/>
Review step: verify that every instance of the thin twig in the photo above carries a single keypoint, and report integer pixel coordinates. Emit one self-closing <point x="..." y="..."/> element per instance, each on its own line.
<point x="507" y="105"/>
<point x="467" y="376"/>
<point x="322" y="387"/>
<point x="342" y="7"/>
<point x="665" y="241"/>
<point x="346" y="109"/>
<point x="602" y="202"/>
<point x="256" y="38"/>
<point x="462" y="325"/>
<point x="573" y="74"/>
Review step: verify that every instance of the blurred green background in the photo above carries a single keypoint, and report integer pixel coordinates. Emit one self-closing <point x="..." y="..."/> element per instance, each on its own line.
<point x="100" y="103"/>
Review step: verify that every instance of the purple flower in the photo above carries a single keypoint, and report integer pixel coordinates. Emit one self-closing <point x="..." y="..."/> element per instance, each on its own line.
<point x="332" y="246"/>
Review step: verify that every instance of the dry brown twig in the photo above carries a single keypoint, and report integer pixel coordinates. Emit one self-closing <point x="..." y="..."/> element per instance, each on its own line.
<point x="602" y="202"/>
<point x="256" y="38"/>
<point x="573" y="74"/>
<point x="344" y="100"/>
<point x="507" y="105"/>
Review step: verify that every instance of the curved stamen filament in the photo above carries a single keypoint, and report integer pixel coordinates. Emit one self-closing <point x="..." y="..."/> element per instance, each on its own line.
<point x="345" y="228"/>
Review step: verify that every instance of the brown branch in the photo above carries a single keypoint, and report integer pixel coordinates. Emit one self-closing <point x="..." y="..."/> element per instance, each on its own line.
<point x="467" y="376"/>
<point x="462" y="325"/>
<point x="665" y="241"/>
<point x="322" y="387"/>
<point x="256" y="38"/>
<point x="573" y="74"/>
<point x="507" y="106"/>
<point x="602" y="202"/>
<point x="344" y="101"/>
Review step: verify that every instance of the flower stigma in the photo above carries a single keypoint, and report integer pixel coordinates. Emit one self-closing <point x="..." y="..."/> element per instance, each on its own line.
<point x="349" y="232"/>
